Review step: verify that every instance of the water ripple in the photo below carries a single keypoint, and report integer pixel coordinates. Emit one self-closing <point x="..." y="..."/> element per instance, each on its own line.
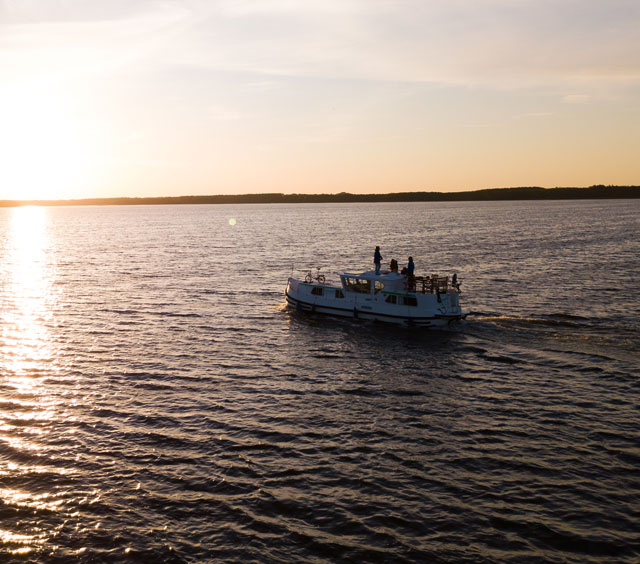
<point x="158" y="402"/>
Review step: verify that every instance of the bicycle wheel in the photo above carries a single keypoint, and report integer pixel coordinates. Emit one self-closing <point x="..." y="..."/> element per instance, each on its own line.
<point x="308" y="278"/>
<point x="320" y="278"/>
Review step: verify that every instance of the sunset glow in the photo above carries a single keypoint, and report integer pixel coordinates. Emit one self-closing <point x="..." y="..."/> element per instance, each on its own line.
<point x="144" y="98"/>
<point x="45" y="146"/>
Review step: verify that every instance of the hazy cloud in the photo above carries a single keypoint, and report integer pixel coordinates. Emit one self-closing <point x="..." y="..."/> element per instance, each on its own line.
<point x="453" y="41"/>
<point x="576" y="98"/>
<point x="502" y="42"/>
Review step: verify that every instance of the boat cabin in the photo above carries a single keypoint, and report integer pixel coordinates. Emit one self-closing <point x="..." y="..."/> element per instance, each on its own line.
<point x="391" y="282"/>
<point x="369" y="282"/>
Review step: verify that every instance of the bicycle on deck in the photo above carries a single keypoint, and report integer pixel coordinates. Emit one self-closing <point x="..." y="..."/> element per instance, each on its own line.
<point x="320" y="278"/>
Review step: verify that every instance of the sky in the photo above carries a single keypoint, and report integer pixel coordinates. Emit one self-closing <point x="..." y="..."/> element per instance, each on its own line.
<point x="109" y="98"/>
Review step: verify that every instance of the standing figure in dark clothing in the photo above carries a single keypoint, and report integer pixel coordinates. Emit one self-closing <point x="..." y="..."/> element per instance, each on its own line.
<point x="410" y="278"/>
<point x="377" y="259"/>
<point x="393" y="265"/>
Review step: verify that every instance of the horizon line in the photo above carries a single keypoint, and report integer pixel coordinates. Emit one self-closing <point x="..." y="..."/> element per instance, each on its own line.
<point x="598" y="191"/>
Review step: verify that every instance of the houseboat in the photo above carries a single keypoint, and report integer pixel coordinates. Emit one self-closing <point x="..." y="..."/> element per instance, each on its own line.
<point x="420" y="301"/>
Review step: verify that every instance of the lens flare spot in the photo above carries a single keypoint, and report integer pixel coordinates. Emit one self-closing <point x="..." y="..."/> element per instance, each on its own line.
<point x="232" y="221"/>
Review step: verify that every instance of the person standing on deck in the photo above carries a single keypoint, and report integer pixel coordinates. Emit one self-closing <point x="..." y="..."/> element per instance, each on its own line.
<point x="377" y="259"/>
<point x="410" y="278"/>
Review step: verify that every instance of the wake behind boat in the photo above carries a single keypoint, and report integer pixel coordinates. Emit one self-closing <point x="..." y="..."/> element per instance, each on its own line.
<point x="422" y="301"/>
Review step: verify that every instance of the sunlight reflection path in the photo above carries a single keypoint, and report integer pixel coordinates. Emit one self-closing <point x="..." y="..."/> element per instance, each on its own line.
<point x="28" y="408"/>
<point x="25" y="297"/>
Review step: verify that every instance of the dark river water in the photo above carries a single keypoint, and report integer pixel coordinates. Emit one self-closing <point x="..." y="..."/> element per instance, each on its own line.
<point x="159" y="404"/>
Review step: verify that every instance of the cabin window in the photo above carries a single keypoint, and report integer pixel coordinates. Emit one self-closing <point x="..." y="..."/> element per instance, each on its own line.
<point x="377" y="286"/>
<point x="410" y="301"/>
<point x="363" y="286"/>
<point x="390" y="299"/>
<point x="316" y="291"/>
<point x="339" y="294"/>
<point x="358" y="285"/>
<point x="349" y="283"/>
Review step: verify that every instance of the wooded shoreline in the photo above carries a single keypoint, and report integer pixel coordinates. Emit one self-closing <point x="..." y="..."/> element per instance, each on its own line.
<point x="493" y="194"/>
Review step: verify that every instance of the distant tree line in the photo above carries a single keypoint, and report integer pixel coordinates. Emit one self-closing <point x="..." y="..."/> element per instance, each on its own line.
<point x="493" y="194"/>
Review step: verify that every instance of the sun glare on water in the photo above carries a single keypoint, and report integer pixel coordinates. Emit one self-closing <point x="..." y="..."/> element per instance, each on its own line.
<point x="28" y="353"/>
<point x="26" y="296"/>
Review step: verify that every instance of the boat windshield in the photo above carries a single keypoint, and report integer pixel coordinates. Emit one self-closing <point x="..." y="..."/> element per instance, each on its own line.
<point x="357" y="285"/>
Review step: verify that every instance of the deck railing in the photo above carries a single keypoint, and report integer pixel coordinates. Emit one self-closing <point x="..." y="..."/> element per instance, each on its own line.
<point x="429" y="284"/>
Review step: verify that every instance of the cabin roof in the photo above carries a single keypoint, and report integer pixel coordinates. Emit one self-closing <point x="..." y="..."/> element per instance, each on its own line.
<point x="384" y="276"/>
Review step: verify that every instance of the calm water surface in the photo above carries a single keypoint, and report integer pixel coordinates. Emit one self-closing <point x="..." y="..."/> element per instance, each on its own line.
<point x="157" y="402"/>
